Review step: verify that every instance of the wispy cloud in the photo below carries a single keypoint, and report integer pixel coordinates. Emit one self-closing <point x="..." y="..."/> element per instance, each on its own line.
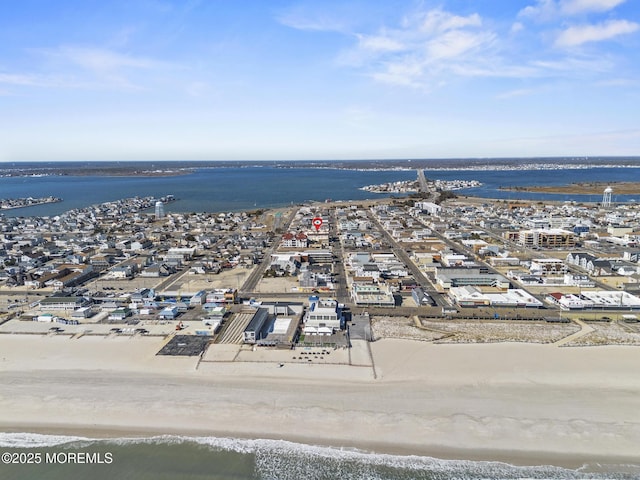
<point x="319" y="20"/>
<point x="549" y="10"/>
<point x="19" y="79"/>
<point x="580" y="34"/>
<point x="380" y="43"/>
<point x="408" y="72"/>
<point x="100" y="59"/>
<point x="439" y="21"/>
<point x="421" y="48"/>
<point x="573" y="7"/>
<point x="32" y="80"/>
<point x="427" y="49"/>
<point x="618" y="82"/>
<point x="457" y="43"/>
<point x="542" y="11"/>
<point x="522" y="92"/>
<point x="516" y="27"/>
<point x="83" y="67"/>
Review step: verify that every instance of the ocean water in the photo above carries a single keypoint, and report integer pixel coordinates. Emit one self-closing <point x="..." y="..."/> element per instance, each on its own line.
<point x="234" y="188"/>
<point x="211" y="458"/>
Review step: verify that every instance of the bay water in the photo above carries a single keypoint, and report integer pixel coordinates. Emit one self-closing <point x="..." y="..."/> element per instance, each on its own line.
<point x="235" y="188"/>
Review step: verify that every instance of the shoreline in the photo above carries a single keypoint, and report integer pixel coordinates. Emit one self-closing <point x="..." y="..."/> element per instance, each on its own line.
<point x="524" y="404"/>
<point x="170" y="168"/>
<point x="519" y="458"/>
<point x="591" y="188"/>
<point x="4" y="207"/>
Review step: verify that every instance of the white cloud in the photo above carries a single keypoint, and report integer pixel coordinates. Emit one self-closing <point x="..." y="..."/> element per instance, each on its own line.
<point x="578" y="35"/>
<point x="428" y="49"/>
<point x="548" y="10"/>
<point x="422" y="48"/>
<point x="543" y="11"/>
<point x="19" y="79"/>
<point x="517" y="27"/>
<point x="522" y="92"/>
<point x="568" y="66"/>
<point x="88" y="68"/>
<point x="496" y="69"/>
<point x="313" y="19"/>
<point x="408" y="72"/>
<point x="456" y="43"/>
<point x="437" y="21"/>
<point x="99" y="59"/>
<point x="95" y="68"/>
<point x="572" y="7"/>
<point x="380" y="43"/>
<point x="317" y="24"/>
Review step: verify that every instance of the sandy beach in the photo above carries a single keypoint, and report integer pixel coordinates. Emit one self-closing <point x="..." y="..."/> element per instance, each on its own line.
<point x="521" y="403"/>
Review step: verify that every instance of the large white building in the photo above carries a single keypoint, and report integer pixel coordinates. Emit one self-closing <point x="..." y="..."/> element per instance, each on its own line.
<point x="429" y="207"/>
<point x="469" y="296"/>
<point x="324" y="317"/>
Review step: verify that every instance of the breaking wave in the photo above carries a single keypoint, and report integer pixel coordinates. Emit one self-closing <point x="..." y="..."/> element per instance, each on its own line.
<point x="284" y="460"/>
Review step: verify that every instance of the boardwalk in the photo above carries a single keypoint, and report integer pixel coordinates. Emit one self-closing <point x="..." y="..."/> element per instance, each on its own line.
<point x="233" y="332"/>
<point x="584" y="330"/>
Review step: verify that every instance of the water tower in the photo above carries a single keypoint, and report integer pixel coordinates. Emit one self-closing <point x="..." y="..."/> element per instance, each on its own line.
<point x="159" y="210"/>
<point x="606" y="197"/>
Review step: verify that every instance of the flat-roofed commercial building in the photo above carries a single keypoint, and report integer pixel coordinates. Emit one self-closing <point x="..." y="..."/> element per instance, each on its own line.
<point x="472" y="297"/>
<point x="475" y="277"/>
<point x="371" y="295"/>
<point x="62" y="303"/>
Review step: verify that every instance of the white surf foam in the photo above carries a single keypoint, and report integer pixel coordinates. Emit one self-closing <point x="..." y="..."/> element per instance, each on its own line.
<point x="285" y="460"/>
<point x="36" y="440"/>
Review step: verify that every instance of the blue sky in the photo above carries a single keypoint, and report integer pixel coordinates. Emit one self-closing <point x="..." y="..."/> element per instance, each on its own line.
<point x="323" y="79"/>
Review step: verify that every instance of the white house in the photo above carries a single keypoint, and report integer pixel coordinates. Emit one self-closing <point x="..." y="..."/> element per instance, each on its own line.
<point x="323" y="317"/>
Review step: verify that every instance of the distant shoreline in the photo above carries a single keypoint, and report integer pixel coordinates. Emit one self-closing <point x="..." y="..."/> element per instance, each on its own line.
<point x="98" y="172"/>
<point x="590" y="188"/>
<point x="15" y="203"/>
<point x="177" y="168"/>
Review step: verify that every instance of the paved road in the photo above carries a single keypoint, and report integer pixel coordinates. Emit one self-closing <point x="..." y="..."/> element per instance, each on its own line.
<point x="254" y="277"/>
<point x="422" y="181"/>
<point x="342" y="295"/>
<point x="403" y="257"/>
<point x="424" y="186"/>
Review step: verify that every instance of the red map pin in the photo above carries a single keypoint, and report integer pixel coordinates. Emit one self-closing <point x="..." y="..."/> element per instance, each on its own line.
<point x="317" y="222"/>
